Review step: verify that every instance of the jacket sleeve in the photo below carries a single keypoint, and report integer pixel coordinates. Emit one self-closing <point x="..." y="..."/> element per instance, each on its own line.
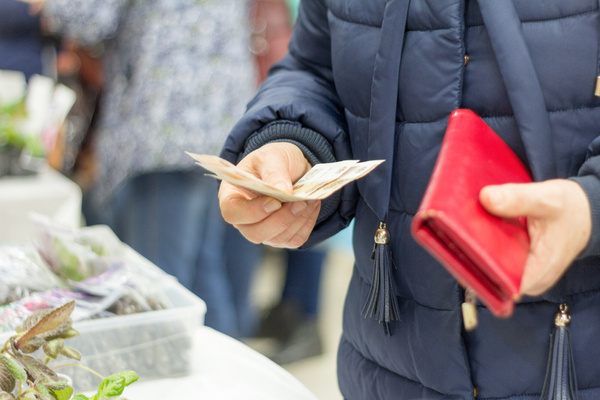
<point x="86" y="21"/>
<point x="589" y="179"/>
<point x="298" y="103"/>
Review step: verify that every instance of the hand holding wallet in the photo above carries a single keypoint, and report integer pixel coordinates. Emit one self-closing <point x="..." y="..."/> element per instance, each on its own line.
<point x="483" y="252"/>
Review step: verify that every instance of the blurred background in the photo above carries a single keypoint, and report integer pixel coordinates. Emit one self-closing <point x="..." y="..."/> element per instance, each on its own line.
<point x="99" y="99"/>
<point x="317" y="372"/>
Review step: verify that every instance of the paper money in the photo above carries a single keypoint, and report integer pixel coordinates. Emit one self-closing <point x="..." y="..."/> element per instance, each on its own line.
<point x="319" y="183"/>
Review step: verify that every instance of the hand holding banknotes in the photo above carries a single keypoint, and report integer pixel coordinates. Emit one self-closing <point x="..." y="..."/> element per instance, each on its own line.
<point x="558" y="221"/>
<point x="264" y="219"/>
<point x="273" y="195"/>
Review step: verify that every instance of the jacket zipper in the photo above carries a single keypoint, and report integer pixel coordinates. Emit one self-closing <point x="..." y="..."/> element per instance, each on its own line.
<point x="469" y="310"/>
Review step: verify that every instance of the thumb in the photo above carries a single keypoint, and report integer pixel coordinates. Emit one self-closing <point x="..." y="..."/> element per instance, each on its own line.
<point x="280" y="164"/>
<point x="514" y="200"/>
<point x="272" y="170"/>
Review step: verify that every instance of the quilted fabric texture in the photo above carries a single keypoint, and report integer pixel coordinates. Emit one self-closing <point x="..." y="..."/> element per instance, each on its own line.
<point x="448" y="62"/>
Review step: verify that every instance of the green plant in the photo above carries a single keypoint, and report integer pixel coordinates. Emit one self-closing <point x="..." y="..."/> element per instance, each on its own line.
<point x="12" y="117"/>
<point x="33" y="377"/>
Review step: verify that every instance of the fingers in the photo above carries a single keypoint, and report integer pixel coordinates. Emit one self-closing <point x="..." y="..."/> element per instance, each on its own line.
<point x="288" y="227"/>
<point x="558" y="222"/>
<point x="266" y="220"/>
<point x="278" y="164"/>
<point x="298" y="232"/>
<point x="544" y="267"/>
<point x="239" y="207"/>
<point x="554" y="246"/>
<point x="262" y="219"/>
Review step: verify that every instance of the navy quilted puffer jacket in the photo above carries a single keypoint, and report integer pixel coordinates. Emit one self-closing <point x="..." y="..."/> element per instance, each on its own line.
<point x="331" y="92"/>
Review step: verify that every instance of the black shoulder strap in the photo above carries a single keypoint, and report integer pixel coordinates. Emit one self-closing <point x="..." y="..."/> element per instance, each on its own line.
<point x="524" y="90"/>
<point x="384" y="97"/>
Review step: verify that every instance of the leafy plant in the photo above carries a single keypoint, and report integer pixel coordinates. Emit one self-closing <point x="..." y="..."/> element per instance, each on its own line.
<point x="33" y="377"/>
<point x="11" y="134"/>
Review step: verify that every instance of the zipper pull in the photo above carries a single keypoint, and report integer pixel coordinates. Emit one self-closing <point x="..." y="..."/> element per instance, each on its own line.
<point x="469" y="310"/>
<point x="560" y="381"/>
<point x="381" y="300"/>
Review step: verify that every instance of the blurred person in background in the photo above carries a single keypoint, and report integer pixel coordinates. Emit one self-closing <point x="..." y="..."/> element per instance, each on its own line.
<point x="177" y="74"/>
<point x="27" y="47"/>
<point x="293" y="321"/>
<point x="23" y="47"/>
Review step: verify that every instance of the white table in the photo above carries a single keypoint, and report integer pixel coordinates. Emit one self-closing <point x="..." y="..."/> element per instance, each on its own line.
<point x="224" y="369"/>
<point x="48" y="193"/>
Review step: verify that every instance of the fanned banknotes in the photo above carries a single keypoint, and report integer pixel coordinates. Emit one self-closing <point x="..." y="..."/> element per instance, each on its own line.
<point x="318" y="183"/>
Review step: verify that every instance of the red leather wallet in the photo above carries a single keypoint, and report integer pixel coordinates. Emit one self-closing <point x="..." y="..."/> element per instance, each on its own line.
<point x="483" y="252"/>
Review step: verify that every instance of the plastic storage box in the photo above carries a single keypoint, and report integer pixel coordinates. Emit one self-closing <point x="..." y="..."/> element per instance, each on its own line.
<point x="154" y="344"/>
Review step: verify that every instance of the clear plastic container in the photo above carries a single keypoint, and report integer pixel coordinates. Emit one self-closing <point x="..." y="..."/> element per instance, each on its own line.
<point x="154" y="344"/>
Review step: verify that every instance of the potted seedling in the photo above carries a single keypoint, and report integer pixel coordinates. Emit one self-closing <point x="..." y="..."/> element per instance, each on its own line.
<point x="23" y="376"/>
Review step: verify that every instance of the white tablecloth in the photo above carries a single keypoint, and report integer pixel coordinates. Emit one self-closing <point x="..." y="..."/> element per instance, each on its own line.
<point x="48" y="193"/>
<point x="224" y="369"/>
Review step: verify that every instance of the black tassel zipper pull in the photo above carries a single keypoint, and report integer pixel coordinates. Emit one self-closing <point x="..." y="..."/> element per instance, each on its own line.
<point x="381" y="301"/>
<point x="560" y="382"/>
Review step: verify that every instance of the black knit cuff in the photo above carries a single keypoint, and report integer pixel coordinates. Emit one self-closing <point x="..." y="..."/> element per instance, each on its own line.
<point x="313" y="145"/>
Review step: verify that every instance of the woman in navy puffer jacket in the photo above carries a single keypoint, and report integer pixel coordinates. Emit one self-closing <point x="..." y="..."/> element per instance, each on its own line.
<point x="370" y="79"/>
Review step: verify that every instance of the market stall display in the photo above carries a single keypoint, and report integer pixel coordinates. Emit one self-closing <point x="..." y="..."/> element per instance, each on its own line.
<point x="130" y="314"/>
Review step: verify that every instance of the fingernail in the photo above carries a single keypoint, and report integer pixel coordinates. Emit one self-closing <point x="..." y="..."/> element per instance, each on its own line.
<point x="298" y="207"/>
<point x="496" y="197"/>
<point x="271" y="205"/>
